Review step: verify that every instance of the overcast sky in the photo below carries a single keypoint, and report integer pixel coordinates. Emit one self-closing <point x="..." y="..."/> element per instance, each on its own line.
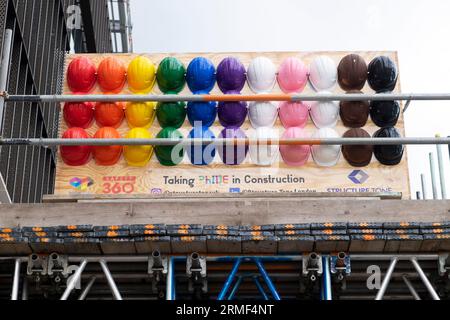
<point x="418" y="30"/>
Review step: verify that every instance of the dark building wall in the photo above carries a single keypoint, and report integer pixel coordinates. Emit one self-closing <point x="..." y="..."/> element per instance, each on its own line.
<point x="40" y="41"/>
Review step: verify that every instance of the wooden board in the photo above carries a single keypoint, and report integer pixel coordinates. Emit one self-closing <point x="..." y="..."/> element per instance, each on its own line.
<point x="219" y="178"/>
<point x="224" y="212"/>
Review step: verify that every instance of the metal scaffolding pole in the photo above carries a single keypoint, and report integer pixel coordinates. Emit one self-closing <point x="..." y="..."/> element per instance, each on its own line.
<point x="411" y="288"/>
<point x="228" y="97"/>
<point x="267" y="279"/>
<point x="73" y="280"/>
<point x="424" y="187"/>
<point x="112" y="284"/>
<point x="441" y="170"/>
<point x="326" y="279"/>
<point x="387" y="279"/>
<point x="433" y="176"/>
<point x="260" y="288"/>
<point x="16" y="280"/>
<point x="86" y="290"/>
<point x="222" y="141"/>
<point x="4" y="69"/>
<point x="425" y="280"/>
<point x="235" y="288"/>
<point x="170" y="280"/>
<point x="229" y="279"/>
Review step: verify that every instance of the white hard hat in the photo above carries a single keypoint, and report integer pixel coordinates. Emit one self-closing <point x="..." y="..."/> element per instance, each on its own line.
<point x="323" y="73"/>
<point x="262" y="114"/>
<point x="324" y="114"/>
<point x="262" y="154"/>
<point x="326" y="155"/>
<point x="261" y="75"/>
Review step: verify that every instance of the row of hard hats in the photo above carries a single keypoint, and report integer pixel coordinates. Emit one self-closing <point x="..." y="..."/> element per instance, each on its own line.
<point x="354" y="114"/>
<point x="264" y="155"/>
<point x="201" y="75"/>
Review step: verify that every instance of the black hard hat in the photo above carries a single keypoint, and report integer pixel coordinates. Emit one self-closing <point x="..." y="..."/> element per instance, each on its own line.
<point x="382" y="74"/>
<point x="384" y="113"/>
<point x="389" y="155"/>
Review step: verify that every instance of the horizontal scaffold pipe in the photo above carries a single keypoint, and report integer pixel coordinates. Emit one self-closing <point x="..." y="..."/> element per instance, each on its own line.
<point x="221" y="141"/>
<point x="228" y="97"/>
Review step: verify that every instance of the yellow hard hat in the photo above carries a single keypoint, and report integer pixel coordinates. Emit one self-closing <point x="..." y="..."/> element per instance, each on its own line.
<point x="141" y="75"/>
<point x="138" y="156"/>
<point x="140" y="114"/>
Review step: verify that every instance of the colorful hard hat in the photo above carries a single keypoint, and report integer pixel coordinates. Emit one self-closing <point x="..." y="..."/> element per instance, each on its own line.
<point x="107" y="155"/>
<point x="201" y="75"/>
<point x="382" y="74"/>
<point x="79" y="114"/>
<point x="293" y="114"/>
<point x="169" y="155"/>
<point x="295" y="155"/>
<point x="171" y="75"/>
<point x="261" y="75"/>
<point x="232" y="113"/>
<point x="292" y="75"/>
<point x="357" y="155"/>
<point x="171" y="114"/>
<point x="138" y="156"/>
<point x="112" y="75"/>
<point x="231" y="75"/>
<point x="263" y="155"/>
<point x="262" y="114"/>
<point x="109" y="114"/>
<point x="352" y="72"/>
<point x="140" y="114"/>
<point x="141" y="75"/>
<point x="389" y="155"/>
<point x="354" y="114"/>
<point x="384" y="113"/>
<point x="326" y="155"/>
<point x="202" y="113"/>
<point x="323" y="73"/>
<point x="75" y="155"/>
<point x="324" y="114"/>
<point x="232" y="154"/>
<point x="81" y="75"/>
<point x="203" y="154"/>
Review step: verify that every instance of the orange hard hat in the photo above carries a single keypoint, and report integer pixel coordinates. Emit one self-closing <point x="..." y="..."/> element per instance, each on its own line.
<point x="107" y="155"/>
<point x="109" y="114"/>
<point x="112" y="75"/>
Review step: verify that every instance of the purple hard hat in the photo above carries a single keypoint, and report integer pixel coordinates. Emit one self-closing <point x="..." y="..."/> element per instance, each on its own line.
<point x="232" y="113"/>
<point x="231" y="75"/>
<point x="229" y="153"/>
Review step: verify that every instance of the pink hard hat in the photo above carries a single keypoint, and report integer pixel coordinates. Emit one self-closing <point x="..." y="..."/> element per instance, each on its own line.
<point x="295" y="155"/>
<point x="293" y="114"/>
<point x="292" y="75"/>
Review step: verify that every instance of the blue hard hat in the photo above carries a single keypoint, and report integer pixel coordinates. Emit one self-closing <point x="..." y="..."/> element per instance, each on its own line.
<point x="201" y="155"/>
<point x="201" y="75"/>
<point x="204" y="112"/>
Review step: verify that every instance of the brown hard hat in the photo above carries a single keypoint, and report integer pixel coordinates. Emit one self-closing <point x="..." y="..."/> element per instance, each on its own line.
<point x="354" y="114"/>
<point x="352" y="72"/>
<point x="357" y="155"/>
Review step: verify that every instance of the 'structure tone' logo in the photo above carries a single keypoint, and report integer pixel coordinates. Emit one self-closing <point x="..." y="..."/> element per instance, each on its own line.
<point x="358" y="176"/>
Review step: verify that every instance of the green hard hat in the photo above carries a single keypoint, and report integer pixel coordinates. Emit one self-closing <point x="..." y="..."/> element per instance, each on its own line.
<point x="171" y="75"/>
<point x="164" y="153"/>
<point x="171" y="114"/>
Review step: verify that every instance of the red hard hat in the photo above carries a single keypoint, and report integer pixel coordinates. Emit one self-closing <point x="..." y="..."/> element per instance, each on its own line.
<point x="109" y="114"/>
<point x="75" y="155"/>
<point x="107" y="155"/>
<point x="79" y="114"/>
<point x="81" y="75"/>
<point x="111" y="75"/>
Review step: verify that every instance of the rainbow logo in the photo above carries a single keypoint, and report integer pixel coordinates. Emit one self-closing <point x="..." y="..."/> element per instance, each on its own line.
<point x="81" y="183"/>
